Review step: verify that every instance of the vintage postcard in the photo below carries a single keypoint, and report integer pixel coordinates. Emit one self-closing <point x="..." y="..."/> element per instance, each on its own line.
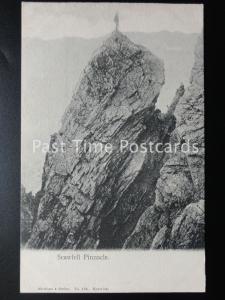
<point x="112" y="172"/>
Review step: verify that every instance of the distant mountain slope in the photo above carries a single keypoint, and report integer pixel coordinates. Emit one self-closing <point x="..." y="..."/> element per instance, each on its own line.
<point x="51" y="69"/>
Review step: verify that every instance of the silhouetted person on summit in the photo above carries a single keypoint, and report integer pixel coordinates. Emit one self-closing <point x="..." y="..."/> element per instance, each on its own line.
<point x="116" y="20"/>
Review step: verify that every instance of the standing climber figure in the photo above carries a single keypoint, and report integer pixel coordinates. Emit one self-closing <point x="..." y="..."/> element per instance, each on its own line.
<point x="116" y="20"/>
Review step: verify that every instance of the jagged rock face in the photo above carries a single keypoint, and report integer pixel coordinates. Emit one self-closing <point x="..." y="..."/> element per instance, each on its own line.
<point x="94" y="200"/>
<point x="190" y="120"/>
<point x="26" y="216"/>
<point x="188" y="228"/>
<point x="176" y="219"/>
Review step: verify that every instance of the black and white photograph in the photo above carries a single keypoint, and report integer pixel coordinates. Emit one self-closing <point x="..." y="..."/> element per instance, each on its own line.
<point x="112" y="147"/>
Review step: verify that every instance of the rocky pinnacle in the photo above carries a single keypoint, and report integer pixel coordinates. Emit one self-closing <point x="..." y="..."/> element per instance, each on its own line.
<point x="92" y="200"/>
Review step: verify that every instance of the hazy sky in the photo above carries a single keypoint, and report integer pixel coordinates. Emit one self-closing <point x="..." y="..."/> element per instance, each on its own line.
<point x="55" y="20"/>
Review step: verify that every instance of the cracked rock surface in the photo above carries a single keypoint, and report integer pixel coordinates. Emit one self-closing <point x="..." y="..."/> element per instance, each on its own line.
<point x="176" y="218"/>
<point x="123" y="199"/>
<point x="26" y="215"/>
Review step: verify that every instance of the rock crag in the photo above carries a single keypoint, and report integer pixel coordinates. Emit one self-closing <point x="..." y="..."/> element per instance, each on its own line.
<point x="123" y="199"/>
<point x="26" y="215"/>
<point x="176" y="219"/>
